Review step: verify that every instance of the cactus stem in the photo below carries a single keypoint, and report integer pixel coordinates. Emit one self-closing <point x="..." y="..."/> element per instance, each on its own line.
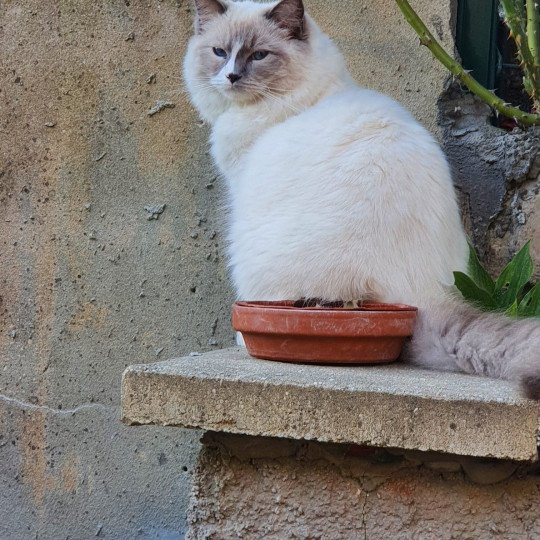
<point x="427" y="39"/>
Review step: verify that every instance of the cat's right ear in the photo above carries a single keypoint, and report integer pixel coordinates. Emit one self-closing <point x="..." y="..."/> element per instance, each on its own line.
<point x="206" y="10"/>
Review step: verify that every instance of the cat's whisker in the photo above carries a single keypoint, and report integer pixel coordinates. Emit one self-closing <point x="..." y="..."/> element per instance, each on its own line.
<point x="257" y="88"/>
<point x="280" y="101"/>
<point x="269" y="87"/>
<point x="201" y="86"/>
<point x="270" y="93"/>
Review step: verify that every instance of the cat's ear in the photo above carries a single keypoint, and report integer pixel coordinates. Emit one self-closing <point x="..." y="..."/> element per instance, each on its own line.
<point x="207" y="10"/>
<point x="289" y="14"/>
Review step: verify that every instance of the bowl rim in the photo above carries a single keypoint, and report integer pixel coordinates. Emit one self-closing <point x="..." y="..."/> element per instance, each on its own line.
<point x="289" y="306"/>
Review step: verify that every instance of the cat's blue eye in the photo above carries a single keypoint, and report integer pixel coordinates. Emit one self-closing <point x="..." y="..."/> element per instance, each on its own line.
<point x="259" y="55"/>
<point x="219" y="52"/>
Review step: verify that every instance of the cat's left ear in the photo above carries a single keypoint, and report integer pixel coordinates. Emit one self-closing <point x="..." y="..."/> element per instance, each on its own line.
<point x="289" y="14"/>
<point x="207" y="10"/>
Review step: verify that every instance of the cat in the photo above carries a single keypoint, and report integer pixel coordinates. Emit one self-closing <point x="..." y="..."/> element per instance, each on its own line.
<point x="335" y="191"/>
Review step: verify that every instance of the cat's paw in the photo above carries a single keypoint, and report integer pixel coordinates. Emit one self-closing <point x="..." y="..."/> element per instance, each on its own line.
<point x="240" y="340"/>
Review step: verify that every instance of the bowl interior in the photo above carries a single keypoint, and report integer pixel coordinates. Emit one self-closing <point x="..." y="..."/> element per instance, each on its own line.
<point x="298" y="304"/>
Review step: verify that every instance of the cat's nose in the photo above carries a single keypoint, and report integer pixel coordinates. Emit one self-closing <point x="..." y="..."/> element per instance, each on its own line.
<point x="233" y="77"/>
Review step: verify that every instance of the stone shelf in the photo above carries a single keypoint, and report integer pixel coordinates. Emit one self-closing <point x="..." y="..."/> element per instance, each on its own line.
<point x="394" y="406"/>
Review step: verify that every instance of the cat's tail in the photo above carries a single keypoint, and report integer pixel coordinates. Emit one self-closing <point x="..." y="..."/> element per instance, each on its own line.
<point x="453" y="336"/>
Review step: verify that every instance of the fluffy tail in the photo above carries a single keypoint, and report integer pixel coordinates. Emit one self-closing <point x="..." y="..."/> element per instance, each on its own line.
<point x="454" y="336"/>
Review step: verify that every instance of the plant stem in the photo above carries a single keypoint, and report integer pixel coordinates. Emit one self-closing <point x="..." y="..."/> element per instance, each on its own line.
<point x="427" y="39"/>
<point x="533" y="22"/>
<point x="532" y="29"/>
<point x="515" y="18"/>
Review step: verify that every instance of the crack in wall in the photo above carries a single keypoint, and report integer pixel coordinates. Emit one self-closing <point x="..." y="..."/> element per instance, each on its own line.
<point x="363" y="512"/>
<point x="26" y="406"/>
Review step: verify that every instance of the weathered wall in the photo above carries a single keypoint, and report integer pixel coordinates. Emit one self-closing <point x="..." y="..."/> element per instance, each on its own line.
<point x="497" y="173"/>
<point x="255" y="487"/>
<point x="88" y="284"/>
<point x="384" y="53"/>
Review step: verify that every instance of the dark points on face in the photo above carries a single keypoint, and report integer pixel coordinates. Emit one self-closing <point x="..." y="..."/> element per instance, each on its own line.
<point x="289" y="15"/>
<point x="206" y="11"/>
<point x="248" y="56"/>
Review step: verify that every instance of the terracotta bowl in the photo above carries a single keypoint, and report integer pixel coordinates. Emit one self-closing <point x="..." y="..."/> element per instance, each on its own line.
<point x="372" y="333"/>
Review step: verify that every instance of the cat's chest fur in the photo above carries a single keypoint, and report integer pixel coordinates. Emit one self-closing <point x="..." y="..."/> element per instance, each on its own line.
<point x="233" y="135"/>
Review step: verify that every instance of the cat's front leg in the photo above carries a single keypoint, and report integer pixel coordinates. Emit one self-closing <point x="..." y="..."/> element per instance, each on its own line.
<point x="232" y="137"/>
<point x="240" y="340"/>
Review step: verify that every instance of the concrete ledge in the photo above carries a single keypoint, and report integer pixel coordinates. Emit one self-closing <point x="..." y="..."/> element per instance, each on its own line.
<point x="388" y="406"/>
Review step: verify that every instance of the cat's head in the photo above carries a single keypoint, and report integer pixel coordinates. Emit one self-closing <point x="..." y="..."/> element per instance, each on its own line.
<point x="247" y="51"/>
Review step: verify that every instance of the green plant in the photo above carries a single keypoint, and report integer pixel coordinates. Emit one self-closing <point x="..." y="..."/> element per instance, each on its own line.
<point x="523" y="23"/>
<point x="509" y="293"/>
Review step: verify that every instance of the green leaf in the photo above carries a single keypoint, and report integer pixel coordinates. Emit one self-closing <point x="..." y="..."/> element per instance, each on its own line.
<point x="472" y="292"/>
<point x="478" y="273"/>
<point x="530" y="305"/>
<point x="512" y="311"/>
<point x="510" y="293"/>
<point x="513" y="278"/>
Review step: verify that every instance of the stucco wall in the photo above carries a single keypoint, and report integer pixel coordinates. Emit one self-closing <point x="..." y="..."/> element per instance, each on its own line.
<point x="256" y="487"/>
<point x="88" y="284"/>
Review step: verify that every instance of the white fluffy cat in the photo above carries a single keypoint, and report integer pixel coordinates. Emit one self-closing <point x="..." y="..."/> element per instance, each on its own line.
<point x="336" y="192"/>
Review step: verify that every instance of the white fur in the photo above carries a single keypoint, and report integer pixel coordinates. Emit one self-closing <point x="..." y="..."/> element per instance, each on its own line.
<point x="336" y="192"/>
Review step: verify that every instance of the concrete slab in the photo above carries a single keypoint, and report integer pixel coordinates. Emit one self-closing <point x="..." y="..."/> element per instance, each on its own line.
<point x="388" y="406"/>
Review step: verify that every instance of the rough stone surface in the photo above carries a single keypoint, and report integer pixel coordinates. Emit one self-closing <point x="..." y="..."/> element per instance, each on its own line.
<point x="497" y="173"/>
<point x="255" y="487"/>
<point x="389" y="406"/>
